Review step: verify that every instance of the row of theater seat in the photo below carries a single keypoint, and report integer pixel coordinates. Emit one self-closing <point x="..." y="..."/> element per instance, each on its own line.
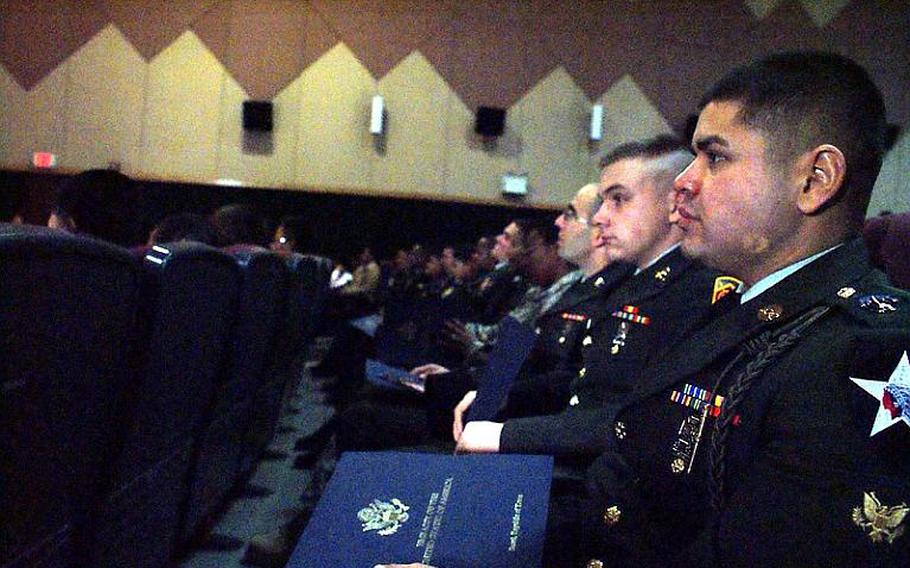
<point x="138" y="389"/>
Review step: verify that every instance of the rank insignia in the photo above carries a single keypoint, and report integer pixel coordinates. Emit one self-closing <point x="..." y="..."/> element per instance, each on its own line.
<point x="879" y="303"/>
<point x="893" y="396"/>
<point x="882" y="522"/>
<point x="723" y="285"/>
<point x="599" y="282"/>
<point x="447" y="292"/>
<point x="630" y="313"/>
<point x="662" y="274"/>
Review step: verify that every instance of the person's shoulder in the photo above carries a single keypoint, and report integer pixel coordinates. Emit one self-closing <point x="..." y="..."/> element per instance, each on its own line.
<point x="872" y="303"/>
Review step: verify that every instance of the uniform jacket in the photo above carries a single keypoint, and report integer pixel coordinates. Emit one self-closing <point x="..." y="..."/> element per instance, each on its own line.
<point x="542" y="385"/>
<point x="640" y="319"/>
<point x="497" y="293"/>
<point x="802" y="459"/>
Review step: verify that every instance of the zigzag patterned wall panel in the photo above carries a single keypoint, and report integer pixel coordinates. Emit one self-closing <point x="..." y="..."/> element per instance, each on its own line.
<point x="157" y="86"/>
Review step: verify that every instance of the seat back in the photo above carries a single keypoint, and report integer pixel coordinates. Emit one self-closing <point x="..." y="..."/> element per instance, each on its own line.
<point x="67" y="319"/>
<point x="254" y="339"/>
<point x="189" y="297"/>
<point x="887" y="237"/>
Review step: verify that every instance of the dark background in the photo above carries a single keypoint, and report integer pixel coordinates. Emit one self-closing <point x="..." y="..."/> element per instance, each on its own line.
<point x="341" y="224"/>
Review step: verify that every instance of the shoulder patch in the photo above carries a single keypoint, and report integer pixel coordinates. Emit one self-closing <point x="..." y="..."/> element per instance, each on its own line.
<point x="892" y="394"/>
<point x="724" y="285"/>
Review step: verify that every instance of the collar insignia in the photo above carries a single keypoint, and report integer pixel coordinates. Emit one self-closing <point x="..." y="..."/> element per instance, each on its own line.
<point x="723" y="285"/>
<point x="881" y="522"/>
<point x="846" y="292"/>
<point x="662" y="274"/>
<point x="879" y="303"/>
<point x="599" y="282"/>
<point x="770" y="313"/>
<point x="893" y="396"/>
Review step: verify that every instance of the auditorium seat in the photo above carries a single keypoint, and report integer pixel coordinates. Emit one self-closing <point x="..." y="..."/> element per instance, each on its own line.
<point x="887" y="237"/>
<point x="189" y="301"/>
<point x="67" y="315"/>
<point x="306" y="295"/>
<point x="263" y="299"/>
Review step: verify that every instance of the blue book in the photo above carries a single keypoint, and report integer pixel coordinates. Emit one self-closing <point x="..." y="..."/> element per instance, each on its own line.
<point x="387" y="377"/>
<point x="447" y="511"/>
<point x="512" y="347"/>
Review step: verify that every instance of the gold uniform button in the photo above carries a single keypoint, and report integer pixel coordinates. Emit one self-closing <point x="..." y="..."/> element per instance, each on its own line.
<point x="582" y="371"/>
<point x="562" y="339"/>
<point x="594" y="563"/>
<point x="574" y="400"/>
<point x="612" y="516"/>
<point x="537" y="330"/>
<point x="588" y="340"/>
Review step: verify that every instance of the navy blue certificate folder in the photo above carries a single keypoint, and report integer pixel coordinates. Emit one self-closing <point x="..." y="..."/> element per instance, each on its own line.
<point x="447" y="511"/>
<point x="385" y="376"/>
<point x="515" y="343"/>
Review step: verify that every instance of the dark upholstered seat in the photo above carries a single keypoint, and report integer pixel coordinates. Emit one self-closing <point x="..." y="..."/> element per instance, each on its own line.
<point x="189" y="300"/>
<point x="67" y="318"/>
<point x="254" y="339"/>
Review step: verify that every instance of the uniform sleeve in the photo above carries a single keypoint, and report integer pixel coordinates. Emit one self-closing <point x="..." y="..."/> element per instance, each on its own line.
<point x="571" y="434"/>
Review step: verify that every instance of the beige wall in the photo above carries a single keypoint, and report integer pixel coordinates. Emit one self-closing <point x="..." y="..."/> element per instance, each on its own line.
<point x="174" y="113"/>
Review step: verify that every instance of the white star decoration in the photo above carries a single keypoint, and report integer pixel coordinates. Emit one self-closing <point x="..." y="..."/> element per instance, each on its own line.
<point x="899" y="377"/>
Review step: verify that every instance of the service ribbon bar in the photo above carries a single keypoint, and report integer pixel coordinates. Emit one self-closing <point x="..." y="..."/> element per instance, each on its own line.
<point x="630" y="313"/>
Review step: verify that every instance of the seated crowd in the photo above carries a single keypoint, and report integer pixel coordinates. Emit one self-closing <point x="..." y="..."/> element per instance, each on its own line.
<point x="719" y="365"/>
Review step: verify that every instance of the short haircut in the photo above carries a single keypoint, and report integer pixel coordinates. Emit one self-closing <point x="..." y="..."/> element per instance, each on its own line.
<point x="184" y="227"/>
<point x="296" y="229"/>
<point x="12" y="200"/>
<point x="237" y="224"/>
<point x="102" y="203"/>
<point x="800" y="100"/>
<point x="667" y="156"/>
<point x="651" y="148"/>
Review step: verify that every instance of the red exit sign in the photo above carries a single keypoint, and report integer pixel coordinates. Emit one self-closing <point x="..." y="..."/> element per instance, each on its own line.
<point x="44" y="160"/>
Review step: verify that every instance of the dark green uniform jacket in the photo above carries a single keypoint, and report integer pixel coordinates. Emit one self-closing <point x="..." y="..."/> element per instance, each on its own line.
<point x="643" y="317"/>
<point x="543" y="384"/>
<point x="778" y="435"/>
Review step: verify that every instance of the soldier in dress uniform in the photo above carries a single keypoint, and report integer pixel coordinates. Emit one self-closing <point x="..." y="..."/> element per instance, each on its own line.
<point x="778" y="434"/>
<point x="642" y="317"/>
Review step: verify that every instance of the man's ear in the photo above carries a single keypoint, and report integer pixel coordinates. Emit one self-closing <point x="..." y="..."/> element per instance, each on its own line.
<point x="823" y="170"/>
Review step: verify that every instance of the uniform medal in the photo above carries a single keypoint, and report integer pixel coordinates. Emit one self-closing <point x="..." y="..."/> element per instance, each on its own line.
<point x="704" y="403"/>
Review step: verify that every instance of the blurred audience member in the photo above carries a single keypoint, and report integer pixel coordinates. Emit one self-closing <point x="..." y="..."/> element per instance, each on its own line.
<point x="182" y="227"/>
<point x="290" y="236"/>
<point x="100" y="203"/>
<point x="237" y="224"/>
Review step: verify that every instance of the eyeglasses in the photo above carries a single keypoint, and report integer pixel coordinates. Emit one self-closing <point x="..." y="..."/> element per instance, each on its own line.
<point x="570" y="214"/>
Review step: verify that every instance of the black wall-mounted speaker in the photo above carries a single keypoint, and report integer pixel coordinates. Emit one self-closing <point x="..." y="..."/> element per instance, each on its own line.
<point x="257" y="115"/>
<point x="490" y="121"/>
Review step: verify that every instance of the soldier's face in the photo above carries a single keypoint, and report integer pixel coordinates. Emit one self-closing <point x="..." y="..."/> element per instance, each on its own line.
<point x="731" y="202"/>
<point x="633" y="220"/>
<point x="507" y="243"/>
<point x="574" y="230"/>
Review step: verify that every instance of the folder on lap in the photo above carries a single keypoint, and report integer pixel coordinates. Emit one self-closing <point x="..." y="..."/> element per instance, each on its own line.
<point x="447" y="511"/>
<point x="512" y="347"/>
<point x="387" y="377"/>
